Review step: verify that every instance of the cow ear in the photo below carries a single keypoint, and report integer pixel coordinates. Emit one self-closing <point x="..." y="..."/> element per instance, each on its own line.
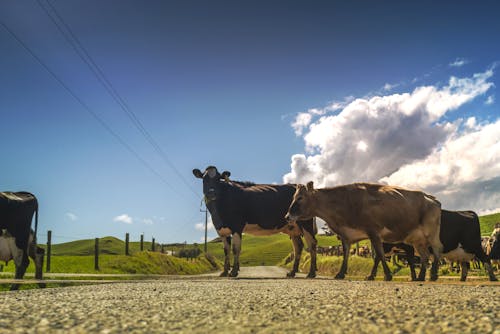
<point x="225" y="175"/>
<point x="310" y="186"/>
<point x="197" y="173"/>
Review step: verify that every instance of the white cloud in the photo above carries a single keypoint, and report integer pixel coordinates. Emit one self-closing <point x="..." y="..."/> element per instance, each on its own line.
<point x="388" y="87"/>
<point x="490" y="100"/>
<point x="123" y="219"/>
<point x="403" y="139"/>
<point x="71" y="216"/>
<point x="459" y="62"/>
<point x="201" y="226"/>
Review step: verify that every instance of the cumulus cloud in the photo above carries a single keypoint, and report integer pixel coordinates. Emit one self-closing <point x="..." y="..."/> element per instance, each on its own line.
<point x="403" y="139"/>
<point x="71" y="216"/>
<point x="126" y="219"/>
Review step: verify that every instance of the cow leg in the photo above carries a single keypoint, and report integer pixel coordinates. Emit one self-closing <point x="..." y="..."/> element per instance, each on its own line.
<point x="236" y="254"/>
<point x="379" y="253"/>
<point x="298" y="245"/>
<point x="410" y="255"/>
<point x="227" y="251"/>
<point x="21" y="261"/>
<point x="435" y="267"/>
<point x="346" y="246"/>
<point x="312" y="244"/>
<point x="481" y="256"/>
<point x="465" y="268"/>
<point x="373" y="273"/>
<point x="424" y="261"/>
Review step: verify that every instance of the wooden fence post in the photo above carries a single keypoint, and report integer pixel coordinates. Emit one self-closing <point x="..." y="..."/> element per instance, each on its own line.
<point x="96" y="257"/>
<point x="49" y="249"/>
<point x="126" y="244"/>
<point x="153" y="245"/>
<point x="162" y="248"/>
<point x="142" y="242"/>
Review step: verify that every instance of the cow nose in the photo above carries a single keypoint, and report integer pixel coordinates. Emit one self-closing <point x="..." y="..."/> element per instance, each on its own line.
<point x="288" y="218"/>
<point x="210" y="194"/>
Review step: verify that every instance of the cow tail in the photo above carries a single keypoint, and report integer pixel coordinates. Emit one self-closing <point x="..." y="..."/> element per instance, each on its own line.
<point x="36" y="221"/>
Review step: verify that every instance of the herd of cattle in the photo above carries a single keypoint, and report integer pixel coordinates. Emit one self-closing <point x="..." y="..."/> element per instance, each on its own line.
<point x="390" y="217"/>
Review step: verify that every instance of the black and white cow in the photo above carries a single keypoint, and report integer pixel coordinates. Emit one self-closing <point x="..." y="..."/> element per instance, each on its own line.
<point x="10" y="251"/>
<point x="257" y="209"/>
<point x="461" y="238"/>
<point x="17" y="239"/>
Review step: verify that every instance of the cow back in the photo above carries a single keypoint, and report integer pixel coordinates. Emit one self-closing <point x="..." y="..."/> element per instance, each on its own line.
<point x="16" y="213"/>
<point x="261" y="204"/>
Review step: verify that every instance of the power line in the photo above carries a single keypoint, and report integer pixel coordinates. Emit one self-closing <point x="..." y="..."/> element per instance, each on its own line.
<point x="73" y="40"/>
<point x="87" y="108"/>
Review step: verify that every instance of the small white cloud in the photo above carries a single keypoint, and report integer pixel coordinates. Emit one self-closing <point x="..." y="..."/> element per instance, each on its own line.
<point x="387" y="87"/>
<point x="490" y="100"/>
<point x="201" y="226"/>
<point x="459" y="62"/>
<point x="71" y="216"/>
<point x="126" y="219"/>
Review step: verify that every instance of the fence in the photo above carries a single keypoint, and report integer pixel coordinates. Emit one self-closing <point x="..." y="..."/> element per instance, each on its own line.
<point x="97" y="250"/>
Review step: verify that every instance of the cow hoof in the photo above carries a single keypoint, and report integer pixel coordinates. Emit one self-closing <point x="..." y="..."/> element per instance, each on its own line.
<point x="311" y="275"/>
<point x="493" y="279"/>
<point x="339" y="276"/>
<point x="370" y="278"/>
<point x="388" y="278"/>
<point x="434" y="278"/>
<point x="233" y="274"/>
<point x="224" y="274"/>
<point x="290" y="274"/>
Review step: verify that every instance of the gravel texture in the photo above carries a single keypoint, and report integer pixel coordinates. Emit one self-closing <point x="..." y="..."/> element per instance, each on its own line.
<point x="205" y="304"/>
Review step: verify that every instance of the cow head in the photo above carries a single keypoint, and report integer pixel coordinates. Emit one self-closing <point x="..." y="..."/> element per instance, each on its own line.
<point x="302" y="203"/>
<point x="211" y="181"/>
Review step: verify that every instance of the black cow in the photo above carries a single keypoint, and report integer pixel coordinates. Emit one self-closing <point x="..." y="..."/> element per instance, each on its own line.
<point x="461" y="238"/>
<point x="17" y="240"/>
<point x="257" y="209"/>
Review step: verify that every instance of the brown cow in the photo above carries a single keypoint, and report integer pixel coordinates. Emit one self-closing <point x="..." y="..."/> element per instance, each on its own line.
<point x="376" y="212"/>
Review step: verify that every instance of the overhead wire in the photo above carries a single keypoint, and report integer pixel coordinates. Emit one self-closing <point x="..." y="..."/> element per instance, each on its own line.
<point x="82" y="52"/>
<point x="87" y="108"/>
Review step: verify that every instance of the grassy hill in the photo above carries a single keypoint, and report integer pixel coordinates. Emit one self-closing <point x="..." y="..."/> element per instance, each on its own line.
<point x="107" y="245"/>
<point x="488" y="222"/>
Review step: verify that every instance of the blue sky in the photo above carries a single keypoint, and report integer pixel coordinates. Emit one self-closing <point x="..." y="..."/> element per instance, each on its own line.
<point x="256" y="88"/>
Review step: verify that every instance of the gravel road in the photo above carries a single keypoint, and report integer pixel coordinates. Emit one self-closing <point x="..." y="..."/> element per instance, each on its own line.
<point x="255" y="303"/>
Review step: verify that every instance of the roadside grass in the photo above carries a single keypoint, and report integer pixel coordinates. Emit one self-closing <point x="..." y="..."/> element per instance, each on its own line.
<point x="147" y="263"/>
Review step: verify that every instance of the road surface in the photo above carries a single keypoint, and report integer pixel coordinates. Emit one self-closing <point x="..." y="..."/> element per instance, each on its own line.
<point x="260" y="301"/>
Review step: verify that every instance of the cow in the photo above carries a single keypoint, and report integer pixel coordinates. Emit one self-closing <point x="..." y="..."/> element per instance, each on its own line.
<point x="461" y="238"/>
<point x="377" y="212"/>
<point x="10" y="251"/>
<point x="493" y="246"/>
<point x="17" y="239"/>
<point x="259" y="209"/>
